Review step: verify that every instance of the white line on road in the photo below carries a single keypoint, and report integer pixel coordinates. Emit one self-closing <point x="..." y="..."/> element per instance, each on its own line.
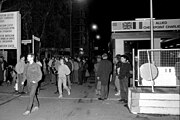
<point x="63" y="98"/>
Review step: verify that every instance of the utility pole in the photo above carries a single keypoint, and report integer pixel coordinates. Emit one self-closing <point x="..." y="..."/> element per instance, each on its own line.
<point x="151" y="24"/>
<point x="70" y="27"/>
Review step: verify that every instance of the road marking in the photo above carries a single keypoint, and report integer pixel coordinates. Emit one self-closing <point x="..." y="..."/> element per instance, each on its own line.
<point x="7" y="101"/>
<point x="72" y="98"/>
<point x="63" y="98"/>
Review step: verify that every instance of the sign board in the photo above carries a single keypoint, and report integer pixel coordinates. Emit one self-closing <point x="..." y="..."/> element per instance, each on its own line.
<point x="9" y="30"/>
<point x="36" y="38"/>
<point x="144" y="25"/>
<point x="25" y="41"/>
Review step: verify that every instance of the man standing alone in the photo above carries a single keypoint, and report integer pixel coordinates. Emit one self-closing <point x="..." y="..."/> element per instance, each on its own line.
<point x="33" y="75"/>
<point x="103" y="74"/>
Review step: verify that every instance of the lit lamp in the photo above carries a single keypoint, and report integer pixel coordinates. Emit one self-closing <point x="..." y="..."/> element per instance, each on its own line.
<point x="98" y="37"/>
<point x="81" y="51"/>
<point x="94" y="27"/>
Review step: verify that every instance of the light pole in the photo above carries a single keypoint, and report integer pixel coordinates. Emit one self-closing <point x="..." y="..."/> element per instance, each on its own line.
<point x="151" y="24"/>
<point x="152" y="43"/>
<point x="70" y="27"/>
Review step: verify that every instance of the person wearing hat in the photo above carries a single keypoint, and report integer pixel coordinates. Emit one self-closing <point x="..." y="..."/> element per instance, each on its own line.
<point x="103" y="75"/>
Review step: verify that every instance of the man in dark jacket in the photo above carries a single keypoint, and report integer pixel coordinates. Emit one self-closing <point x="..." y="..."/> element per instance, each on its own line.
<point x="124" y="74"/>
<point x="103" y="75"/>
<point x="33" y="75"/>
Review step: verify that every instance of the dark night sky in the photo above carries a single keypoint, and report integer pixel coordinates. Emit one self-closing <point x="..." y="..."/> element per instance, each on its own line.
<point x="102" y="12"/>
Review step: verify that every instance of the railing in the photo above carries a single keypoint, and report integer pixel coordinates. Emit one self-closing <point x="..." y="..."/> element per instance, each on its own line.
<point x="157" y="67"/>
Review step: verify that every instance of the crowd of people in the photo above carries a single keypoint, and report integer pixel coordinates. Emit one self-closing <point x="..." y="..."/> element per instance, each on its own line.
<point x="65" y="71"/>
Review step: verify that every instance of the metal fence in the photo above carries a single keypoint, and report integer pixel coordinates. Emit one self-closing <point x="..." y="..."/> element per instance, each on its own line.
<point x="162" y="66"/>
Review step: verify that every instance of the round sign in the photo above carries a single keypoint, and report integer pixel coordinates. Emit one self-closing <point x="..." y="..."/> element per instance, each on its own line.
<point x="148" y="70"/>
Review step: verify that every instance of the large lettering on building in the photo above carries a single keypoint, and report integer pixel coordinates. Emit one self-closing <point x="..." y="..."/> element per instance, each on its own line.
<point x="144" y="25"/>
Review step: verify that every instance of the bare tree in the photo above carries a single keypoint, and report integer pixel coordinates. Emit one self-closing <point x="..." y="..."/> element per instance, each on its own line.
<point x="1" y="3"/>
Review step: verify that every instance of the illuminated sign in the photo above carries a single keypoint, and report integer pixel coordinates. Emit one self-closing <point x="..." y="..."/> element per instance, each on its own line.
<point x="144" y="25"/>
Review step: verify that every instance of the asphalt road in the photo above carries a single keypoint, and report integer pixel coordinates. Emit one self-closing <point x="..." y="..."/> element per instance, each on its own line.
<point x="82" y="104"/>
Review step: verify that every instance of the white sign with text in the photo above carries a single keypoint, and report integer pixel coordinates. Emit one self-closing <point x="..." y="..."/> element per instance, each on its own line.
<point x="9" y="30"/>
<point x="144" y="25"/>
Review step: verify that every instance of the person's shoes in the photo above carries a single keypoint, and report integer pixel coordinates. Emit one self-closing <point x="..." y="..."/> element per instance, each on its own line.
<point x="126" y="105"/>
<point x="22" y="93"/>
<point x="117" y="94"/>
<point x="100" y="99"/>
<point x="56" y="92"/>
<point x="69" y="92"/>
<point x="125" y="101"/>
<point x="121" y="100"/>
<point x="17" y="93"/>
<point x="34" y="109"/>
<point x="60" y="96"/>
<point x="26" y="112"/>
<point x="105" y="98"/>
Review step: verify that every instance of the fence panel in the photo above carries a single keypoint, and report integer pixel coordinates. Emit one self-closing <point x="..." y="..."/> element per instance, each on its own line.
<point x="167" y="62"/>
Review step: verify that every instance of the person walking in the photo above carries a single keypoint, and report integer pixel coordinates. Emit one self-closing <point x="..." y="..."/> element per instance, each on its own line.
<point x="50" y="69"/>
<point x="63" y="73"/>
<point x="55" y="69"/>
<point x="124" y="74"/>
<point x="19" y="68"/>
<point x="33" y="75"/>
<point x="103" y="75"/>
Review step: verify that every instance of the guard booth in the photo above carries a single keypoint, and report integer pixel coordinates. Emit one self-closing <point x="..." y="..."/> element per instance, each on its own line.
<point x="136" y="34"/>
<point x="164" y="98"/>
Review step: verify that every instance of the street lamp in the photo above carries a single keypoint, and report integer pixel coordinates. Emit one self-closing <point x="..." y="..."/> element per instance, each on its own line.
<point x="98" y="37"/>
<point x="94" y="27"/>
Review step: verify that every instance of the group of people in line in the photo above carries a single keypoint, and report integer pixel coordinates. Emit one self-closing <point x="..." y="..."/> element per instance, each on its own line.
<point x="118" y="72"/>
<point x="65" y="71"/>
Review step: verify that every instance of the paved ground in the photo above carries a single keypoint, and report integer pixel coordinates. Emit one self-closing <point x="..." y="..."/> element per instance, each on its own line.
<point x="82" y="104"/>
